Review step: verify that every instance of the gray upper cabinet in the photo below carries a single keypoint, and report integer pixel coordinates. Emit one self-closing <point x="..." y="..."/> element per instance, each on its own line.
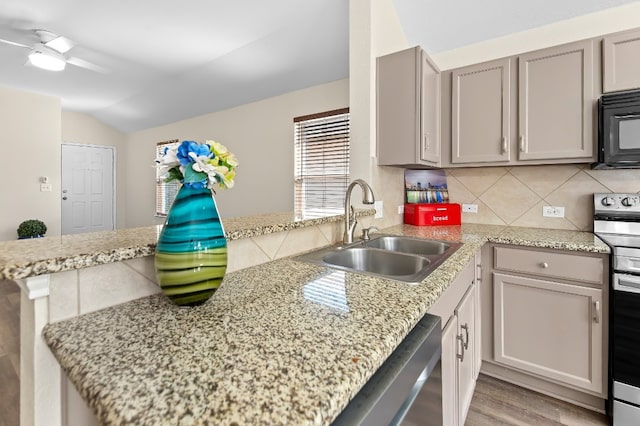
<point x="408" y="109"/>
<point x="480" y="128"/>
<point x="534" y="108"/>
<point x="621" y="61"/>
<point x="556" y="98"/>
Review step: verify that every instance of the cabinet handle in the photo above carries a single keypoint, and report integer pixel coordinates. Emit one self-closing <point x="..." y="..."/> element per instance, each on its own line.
<point x="426" y="144"/>
<point x="479" y="272"/>
<point x="504" y="145"/>
<point x="596" y="312"/>
<point x="522" y="143"/>
<point x="544" y="265"/>
<point x="460" y="356"/>
<point x="465" y="327"/>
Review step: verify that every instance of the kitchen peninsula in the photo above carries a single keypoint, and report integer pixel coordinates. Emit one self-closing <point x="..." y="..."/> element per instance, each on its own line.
<point x="280" y="342"/>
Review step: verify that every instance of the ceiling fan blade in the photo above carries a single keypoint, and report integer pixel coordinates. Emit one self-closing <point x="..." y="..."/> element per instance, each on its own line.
<point x="54" y="41"/>
<point x="61" y="44"/>
<point x="14" y="43"/>
<point x="87" y="65"/>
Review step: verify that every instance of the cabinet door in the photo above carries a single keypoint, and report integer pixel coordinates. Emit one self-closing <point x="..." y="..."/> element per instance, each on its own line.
<point x="480" y="113"/>
<point x="550" y="329"/>
<point x="466" y="362"/>
<point x="398" y="104"/>
<point x="449" y="362"/>
<point x="621" y="62"/>
<point x="429" y="145"/>
<point x="556" y="103"/>
<point x="408" y="109"/>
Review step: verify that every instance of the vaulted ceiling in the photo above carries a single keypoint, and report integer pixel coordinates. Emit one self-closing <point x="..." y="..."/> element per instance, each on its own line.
<point x="163" y="61"/>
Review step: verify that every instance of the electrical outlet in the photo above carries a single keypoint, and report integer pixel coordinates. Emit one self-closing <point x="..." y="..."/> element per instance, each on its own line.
<point x="45" y="187"/>
<point x="379" y="209"/>
<point x="470" y="208"/>
<point x="401" y="209"/>
<point x="552" y="211"/>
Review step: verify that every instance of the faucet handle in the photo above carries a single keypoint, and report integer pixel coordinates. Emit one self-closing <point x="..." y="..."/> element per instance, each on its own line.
<point x="366" y="231"/>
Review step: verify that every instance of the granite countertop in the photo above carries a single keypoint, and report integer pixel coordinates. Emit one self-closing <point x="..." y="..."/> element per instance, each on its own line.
<point x="284" y="342"/>
<point x="30" y="257"/>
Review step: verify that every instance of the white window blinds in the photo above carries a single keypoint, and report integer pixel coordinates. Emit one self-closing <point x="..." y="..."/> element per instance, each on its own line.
<point x="165" y="191"/>
<point x="321" y="163"/>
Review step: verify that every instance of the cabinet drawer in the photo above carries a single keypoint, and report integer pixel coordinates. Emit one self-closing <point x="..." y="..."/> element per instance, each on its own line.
<point x="550" y="264"/>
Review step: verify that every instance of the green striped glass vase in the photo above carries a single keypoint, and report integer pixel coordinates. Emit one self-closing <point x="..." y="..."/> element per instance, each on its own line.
<point x="191" y="255"/>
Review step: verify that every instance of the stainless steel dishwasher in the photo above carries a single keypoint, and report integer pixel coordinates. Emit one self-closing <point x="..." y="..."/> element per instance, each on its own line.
<point x="412" y="369"/>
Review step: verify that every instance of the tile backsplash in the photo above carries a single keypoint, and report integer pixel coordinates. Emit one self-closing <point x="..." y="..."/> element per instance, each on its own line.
<point x="515" y="195"/>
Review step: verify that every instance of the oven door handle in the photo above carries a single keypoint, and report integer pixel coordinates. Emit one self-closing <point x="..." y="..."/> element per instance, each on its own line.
<point x="627" y="263"/>
<point x="626" y="283"/>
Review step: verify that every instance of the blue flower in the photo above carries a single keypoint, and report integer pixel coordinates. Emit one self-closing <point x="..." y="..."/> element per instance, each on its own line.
<point x="187" y="147"/>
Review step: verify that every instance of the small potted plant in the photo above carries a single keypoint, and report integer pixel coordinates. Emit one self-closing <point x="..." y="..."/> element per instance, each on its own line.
<point x="32" y="228"/>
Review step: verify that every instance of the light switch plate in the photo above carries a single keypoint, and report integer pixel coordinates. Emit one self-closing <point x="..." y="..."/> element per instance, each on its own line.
<point x="379" y="209"/>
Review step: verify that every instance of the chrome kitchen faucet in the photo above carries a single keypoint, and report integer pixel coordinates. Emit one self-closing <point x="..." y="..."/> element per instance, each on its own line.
<point x="350" y="220"/>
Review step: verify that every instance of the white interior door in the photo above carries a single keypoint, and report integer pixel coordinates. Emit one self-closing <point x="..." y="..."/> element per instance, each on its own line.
<point x="87" y="188"/>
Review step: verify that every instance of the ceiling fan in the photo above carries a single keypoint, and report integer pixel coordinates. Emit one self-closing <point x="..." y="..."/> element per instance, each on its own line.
<point x="50" y="53"/>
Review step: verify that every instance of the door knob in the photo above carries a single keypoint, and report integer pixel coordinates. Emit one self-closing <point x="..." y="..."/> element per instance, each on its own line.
<point x="64" y="198"/>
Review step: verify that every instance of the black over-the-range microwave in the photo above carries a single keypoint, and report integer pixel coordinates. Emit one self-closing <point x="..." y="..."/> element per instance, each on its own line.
<point x="619" y="131"/>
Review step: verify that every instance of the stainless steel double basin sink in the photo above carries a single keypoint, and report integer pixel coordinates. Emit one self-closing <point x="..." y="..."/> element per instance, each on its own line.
<point x="396" y="257"/>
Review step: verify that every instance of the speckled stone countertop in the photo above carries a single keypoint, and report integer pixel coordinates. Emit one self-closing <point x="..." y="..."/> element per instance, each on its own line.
<point x="25" y="258"/>
<point x="284" y="342"/>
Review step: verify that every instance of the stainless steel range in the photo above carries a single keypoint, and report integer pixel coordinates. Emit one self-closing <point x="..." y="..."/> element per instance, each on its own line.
<point x="617" y="222"/>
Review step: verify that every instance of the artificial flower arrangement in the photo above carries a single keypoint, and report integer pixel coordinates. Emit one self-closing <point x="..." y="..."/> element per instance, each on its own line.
<point x="199" y="164"/>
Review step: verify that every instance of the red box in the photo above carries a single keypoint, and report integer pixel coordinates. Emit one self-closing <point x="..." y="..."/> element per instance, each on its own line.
<point x="432" y="214"/>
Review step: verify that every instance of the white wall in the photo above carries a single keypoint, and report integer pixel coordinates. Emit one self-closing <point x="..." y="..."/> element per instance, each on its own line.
<point x="84" y="129"/>
<point x="30" y="126"/>
<point x="375" y="30"/>
<point x="567" y="31"/>
<point x="261" y="136"/>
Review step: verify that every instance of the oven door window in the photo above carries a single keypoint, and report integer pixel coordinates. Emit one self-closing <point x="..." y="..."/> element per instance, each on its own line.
<point x="626" y="337"/>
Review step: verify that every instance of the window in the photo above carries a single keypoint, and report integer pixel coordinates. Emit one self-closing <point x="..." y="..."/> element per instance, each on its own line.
<point x="165" y="191"/>
<point x="321" y="163"/>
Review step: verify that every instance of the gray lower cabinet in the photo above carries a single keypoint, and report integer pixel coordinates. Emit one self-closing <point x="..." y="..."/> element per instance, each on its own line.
<point x="550" y="329"/>
<point x="408" y="109"/>
<point x="534" y="108"/>
<point x="461" y="356"/>
<point x="545" y="321"/>
<point x="621" y="61"/>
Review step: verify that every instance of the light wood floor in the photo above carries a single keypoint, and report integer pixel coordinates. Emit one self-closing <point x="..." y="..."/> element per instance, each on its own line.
<point x="495" y="403"/>
<point x="9" y="354"/>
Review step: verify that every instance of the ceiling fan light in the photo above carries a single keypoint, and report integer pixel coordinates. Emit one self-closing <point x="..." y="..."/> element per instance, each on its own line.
<point x="47" y="60"/>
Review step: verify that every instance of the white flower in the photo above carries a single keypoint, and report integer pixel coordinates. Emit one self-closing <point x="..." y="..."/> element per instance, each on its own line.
<point x="168" y="161"/>
<point x="200" y="163"/>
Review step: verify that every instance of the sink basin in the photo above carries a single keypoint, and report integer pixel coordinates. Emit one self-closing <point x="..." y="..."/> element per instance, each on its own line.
<point x="394" y="257"/>
<point x="409" y="245"/>
<point x="377" y="261"/>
